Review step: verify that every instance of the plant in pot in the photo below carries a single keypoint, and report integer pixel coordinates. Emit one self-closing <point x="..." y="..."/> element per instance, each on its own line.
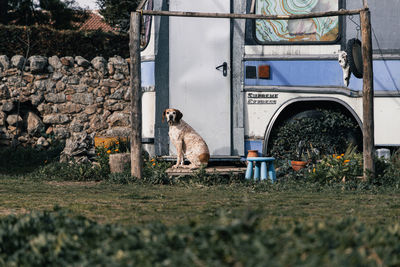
<point x="304" y="156"/>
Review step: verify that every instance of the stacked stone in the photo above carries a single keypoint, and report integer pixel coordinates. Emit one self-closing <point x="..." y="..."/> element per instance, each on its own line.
<point x="61" y="97"/>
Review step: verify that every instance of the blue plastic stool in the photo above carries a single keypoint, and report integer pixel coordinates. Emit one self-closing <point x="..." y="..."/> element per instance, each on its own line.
<point x="262" y="167"/>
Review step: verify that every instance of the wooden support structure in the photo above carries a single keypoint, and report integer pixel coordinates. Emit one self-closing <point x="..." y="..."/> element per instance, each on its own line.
<point x="368" y="95"/>
<point x="136" y="96"/>
<point x="249" y="16"/>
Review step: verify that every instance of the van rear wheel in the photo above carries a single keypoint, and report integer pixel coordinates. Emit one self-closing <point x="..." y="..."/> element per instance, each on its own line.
<point x="329" y="131"/>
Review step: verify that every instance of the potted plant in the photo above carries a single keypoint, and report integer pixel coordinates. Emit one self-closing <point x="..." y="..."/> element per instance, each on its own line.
<point x="304" y="156"/>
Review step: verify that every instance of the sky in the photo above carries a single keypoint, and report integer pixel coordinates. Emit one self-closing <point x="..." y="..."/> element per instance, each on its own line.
<point x="87" y="3"/>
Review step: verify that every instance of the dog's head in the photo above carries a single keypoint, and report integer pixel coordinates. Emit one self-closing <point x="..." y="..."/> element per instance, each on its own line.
<point x="342" y="58"/>
<point x="172" y="115"/>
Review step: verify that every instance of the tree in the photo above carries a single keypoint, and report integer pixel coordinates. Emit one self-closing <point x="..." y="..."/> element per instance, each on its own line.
<point x="63" y="14"/>
<point x="55" y="13"/>
<point x="3" y="11"/>
<point x="117" y="13"/>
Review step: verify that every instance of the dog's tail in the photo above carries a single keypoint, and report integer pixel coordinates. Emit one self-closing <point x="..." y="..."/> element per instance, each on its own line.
<point x="204" y="157"/>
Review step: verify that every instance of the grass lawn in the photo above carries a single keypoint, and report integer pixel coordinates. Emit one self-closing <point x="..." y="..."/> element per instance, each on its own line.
<point x="136" y="204"/>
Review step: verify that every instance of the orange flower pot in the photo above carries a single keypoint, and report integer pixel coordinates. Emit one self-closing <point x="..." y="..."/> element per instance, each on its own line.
<point x="298" y="165"/>
<point x="252" y="153"/>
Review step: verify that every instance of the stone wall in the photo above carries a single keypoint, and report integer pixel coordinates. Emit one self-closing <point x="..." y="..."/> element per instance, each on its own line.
<point x="42" y="97"/>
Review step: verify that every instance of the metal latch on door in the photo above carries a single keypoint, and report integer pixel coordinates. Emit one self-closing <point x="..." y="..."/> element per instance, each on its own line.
<point x="224" y="67"/>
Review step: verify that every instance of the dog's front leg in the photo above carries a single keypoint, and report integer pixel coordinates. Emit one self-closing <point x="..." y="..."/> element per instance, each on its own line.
<point x="179" y="152"/>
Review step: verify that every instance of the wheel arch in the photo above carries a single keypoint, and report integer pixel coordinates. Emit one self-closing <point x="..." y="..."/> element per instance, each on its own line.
<point x="296" y="105"/>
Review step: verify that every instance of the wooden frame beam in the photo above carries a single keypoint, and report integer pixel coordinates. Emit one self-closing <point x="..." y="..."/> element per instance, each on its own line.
<point x="250" y="16"/>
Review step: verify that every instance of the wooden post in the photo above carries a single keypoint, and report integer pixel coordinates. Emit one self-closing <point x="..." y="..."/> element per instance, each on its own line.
<point x="368" y="95"/>
<point x="136" y="96"/>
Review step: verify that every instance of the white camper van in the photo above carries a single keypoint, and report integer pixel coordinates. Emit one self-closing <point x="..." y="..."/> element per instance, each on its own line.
<point x="235" y="80"/>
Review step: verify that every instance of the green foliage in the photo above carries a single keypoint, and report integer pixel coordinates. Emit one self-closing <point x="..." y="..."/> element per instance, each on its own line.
<point x="25" y="159"/>
<point x="59" y="239"/>
<point x="328" y="133"/>
<point x="211" y="179"/>
<point x="63" y="171"/>
<point x="55" y="13"/>
<point x="334" y="168"/>
<point x="121" y="178"/>
<point x="103" y="152"/>
<point x="117" y="13"/>
<point x="154" y="171"/>
<point x="387" y="172"/>
<point x="49" y="42"/>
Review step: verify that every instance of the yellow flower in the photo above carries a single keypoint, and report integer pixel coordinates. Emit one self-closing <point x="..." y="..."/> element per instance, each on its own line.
<point x="313" y="170"/>
<point x="154" y="164"/>
<point x="152" y="160"/>
<point x="341" y="155"/>
<point x="117" y="143"/>
<point x="116" y="150"/>
<point x="108" y="151"/>
<point x="346" y="161"/>
<point x="338" y="157"/>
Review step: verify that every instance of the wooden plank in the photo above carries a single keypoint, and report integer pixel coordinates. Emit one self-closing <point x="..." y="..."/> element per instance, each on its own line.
<point x="136" y="96"/>
<point x="251" y="16"/>
<point x="368" y="95"/>
<point x="223" y="170"/>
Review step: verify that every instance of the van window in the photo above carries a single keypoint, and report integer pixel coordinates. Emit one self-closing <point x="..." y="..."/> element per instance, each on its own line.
<point x="325" y="29"/>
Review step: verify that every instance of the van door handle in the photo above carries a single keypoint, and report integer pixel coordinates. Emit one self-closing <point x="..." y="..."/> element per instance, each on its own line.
<point x="224" y="67"/>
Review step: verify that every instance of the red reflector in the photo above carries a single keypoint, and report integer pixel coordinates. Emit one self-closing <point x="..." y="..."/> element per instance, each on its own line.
<point x="264" y="72"/>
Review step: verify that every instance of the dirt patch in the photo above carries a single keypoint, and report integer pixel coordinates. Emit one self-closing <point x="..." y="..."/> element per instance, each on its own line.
<point x="7" y="212"/>
<point x="73" y="183"/>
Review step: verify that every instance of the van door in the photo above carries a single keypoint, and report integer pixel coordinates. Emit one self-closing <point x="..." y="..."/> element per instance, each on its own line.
<point x="197" y="88"/>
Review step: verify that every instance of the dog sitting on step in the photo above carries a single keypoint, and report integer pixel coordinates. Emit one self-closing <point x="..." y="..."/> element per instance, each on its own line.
<point x="186" y="140"/>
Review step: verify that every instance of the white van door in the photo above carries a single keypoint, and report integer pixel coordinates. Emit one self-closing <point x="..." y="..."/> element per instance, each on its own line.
<point x="196" y="87"/>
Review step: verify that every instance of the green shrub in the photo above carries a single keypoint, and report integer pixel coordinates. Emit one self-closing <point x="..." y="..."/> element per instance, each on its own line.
<point x="103" y="153"/>
<point x="200" y="176"/>
<point x="335" y="168"/>
<point x="329" y="133"/>
<point x="60" y="239"/>
<point x="63" y="171"/>
<point x="48" y="42"/>
<point x="120" y="178"/>
<point x="22" y="160"/>
<point x="388" y="172"/>
<point x="154" y="171"/>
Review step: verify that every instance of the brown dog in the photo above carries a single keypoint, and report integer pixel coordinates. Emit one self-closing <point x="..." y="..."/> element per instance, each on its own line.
<point x="186" y="140"/>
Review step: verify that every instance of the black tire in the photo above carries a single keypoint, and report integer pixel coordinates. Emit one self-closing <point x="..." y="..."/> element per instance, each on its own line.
<point x="352" y="136"/>
<point x="313" y="114"/>
<point x="354" y="57"/>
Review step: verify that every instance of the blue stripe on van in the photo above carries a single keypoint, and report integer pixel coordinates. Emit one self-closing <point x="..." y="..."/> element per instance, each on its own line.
<point x="324" y="73"/>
